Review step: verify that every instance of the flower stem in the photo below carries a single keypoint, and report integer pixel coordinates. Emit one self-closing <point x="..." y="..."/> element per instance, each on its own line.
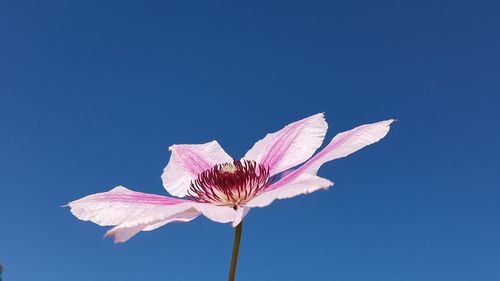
<point x="236" y="248"/>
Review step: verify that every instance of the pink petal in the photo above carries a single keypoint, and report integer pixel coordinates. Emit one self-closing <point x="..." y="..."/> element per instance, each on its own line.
<point x="303" y="184"/>
<point x="241" y="212"/>
<point x="132" y="211"/>
<point x="187" y="161"/>
<point x="123" y="232"/>
<point x="186" y="216"/>
<point x="121" y="205"/>
<point x="222" y="214"/>
<point x="342" y="145"/>
<point x="287" y="172"/>
<point x="290" y="146"/>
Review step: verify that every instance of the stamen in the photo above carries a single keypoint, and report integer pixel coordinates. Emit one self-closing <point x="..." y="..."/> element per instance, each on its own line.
<point x="230" y="184"/>
<point x="228" y="168"/>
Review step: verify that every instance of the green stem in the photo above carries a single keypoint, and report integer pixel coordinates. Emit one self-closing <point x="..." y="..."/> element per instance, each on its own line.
<point x="236" y="248"/>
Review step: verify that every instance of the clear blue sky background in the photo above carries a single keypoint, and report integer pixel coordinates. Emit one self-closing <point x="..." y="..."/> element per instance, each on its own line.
<point x="92" y="94"/>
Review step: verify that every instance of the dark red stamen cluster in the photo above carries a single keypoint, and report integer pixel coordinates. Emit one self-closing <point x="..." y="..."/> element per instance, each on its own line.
<point x="230" y="184"/>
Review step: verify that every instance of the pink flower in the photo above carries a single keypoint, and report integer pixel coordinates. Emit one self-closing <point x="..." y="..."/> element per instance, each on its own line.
<point x="209" y="182"/>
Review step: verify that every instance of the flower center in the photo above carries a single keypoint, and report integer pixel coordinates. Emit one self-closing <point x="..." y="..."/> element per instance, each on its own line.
<point x="230" y="184"/>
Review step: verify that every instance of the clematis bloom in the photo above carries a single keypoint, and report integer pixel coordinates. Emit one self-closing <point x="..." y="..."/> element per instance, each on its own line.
<point x="205" y="180"/>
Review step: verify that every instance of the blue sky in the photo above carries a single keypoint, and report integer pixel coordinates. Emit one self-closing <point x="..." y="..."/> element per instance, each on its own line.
<point x="93" y="93"/>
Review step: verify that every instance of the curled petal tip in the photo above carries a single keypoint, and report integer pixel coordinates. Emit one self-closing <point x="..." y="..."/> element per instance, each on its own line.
<point x="110" y="234"/>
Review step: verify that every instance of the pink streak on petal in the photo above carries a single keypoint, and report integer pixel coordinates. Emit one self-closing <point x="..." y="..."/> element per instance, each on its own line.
<point x="287" y="172"/>
<point x="129" y="196"/>
<point x="290" y="146"/>
<point x="341" y="145"/>
<point x="281" y="143"/>
<point x="191" y="160"/>
<point x="187" y="161"/>
<point x="121" y="205"/>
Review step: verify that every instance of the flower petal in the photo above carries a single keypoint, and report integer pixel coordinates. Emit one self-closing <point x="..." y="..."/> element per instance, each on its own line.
<point x="241" y="212"/>
<point x="303" y="184"/>
<point x="222" y="214"/>
<point x="125" y="231"/>
<point x="121" y="205"/>
<point x="341" y="145"/>
<point x="290" y="146"/>
<point x="187" y="161"/>
<point x="132" y="211"/>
